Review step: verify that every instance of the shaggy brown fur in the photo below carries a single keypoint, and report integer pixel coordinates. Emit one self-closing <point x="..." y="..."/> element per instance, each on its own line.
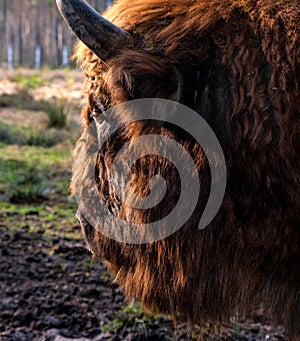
<point x="239" y="64"/>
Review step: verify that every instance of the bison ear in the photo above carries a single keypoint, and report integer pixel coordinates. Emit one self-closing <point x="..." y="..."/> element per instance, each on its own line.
<point x="98" y="34"/>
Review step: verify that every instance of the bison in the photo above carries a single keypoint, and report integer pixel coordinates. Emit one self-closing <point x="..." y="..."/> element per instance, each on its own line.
<point x="237" y="64"/>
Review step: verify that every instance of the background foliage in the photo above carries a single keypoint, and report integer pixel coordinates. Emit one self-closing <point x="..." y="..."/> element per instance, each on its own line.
<point x="28" y="25"/>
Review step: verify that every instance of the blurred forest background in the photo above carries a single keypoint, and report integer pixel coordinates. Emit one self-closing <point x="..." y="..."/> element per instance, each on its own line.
<point x="33" y="34"/>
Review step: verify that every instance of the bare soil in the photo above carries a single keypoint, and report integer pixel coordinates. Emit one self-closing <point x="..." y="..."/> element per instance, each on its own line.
<point x="51" y="290"/>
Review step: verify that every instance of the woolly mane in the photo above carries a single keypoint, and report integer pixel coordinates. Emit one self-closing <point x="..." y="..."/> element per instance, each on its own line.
<point x="237" y="63"/>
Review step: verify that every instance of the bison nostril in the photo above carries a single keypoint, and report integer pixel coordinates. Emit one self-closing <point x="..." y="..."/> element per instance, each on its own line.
<point x="78" y="214"/>
<point x="87" y="229"/>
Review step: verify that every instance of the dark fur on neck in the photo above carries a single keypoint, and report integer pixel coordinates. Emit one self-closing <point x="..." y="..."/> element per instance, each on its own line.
<point x="237" y="64"/>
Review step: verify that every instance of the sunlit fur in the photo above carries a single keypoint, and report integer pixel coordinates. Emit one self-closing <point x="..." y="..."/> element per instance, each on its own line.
<point x="238" y="63"/>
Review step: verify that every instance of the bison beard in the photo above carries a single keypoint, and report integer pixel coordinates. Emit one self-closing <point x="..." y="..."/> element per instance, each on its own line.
<point x="236" y="63"/>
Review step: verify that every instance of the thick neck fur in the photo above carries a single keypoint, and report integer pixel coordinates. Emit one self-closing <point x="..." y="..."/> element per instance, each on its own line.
<point x="237" y="63"/>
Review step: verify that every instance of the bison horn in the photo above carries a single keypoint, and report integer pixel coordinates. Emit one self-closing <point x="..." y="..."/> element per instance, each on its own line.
<point x="96" y="32"/>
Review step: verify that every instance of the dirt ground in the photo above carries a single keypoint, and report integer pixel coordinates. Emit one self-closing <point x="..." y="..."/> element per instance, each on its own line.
<point x="51" y="290"/>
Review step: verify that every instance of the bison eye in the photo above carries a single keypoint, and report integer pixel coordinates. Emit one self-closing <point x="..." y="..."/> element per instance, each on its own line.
<point x="98" y="109"/>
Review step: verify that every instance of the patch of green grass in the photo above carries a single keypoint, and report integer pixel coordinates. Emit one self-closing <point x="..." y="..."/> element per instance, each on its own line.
<point x="29" y="188"/>
<point x="62" y="224"/>
<point x="134" y="309"/>
<point x="9" y="207"/>
<point x="136" y="318"/>
<point x="9" y="135"/>
<point x="16" y="134"/>
<point x="29" y="81"/>
<point x="47" y="138"/>
<point x="32" y="172"/>
<point x="107" y="277"/>
<point x="57" y="113"/>
<point x="56" y="110"/>
<point x="21" y="182"/>
<point x="38" y="154"/>
<point x="113" y="326"/>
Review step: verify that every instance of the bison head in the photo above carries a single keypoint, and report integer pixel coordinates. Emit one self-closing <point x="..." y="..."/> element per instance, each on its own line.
<point x="236" y="63"/>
